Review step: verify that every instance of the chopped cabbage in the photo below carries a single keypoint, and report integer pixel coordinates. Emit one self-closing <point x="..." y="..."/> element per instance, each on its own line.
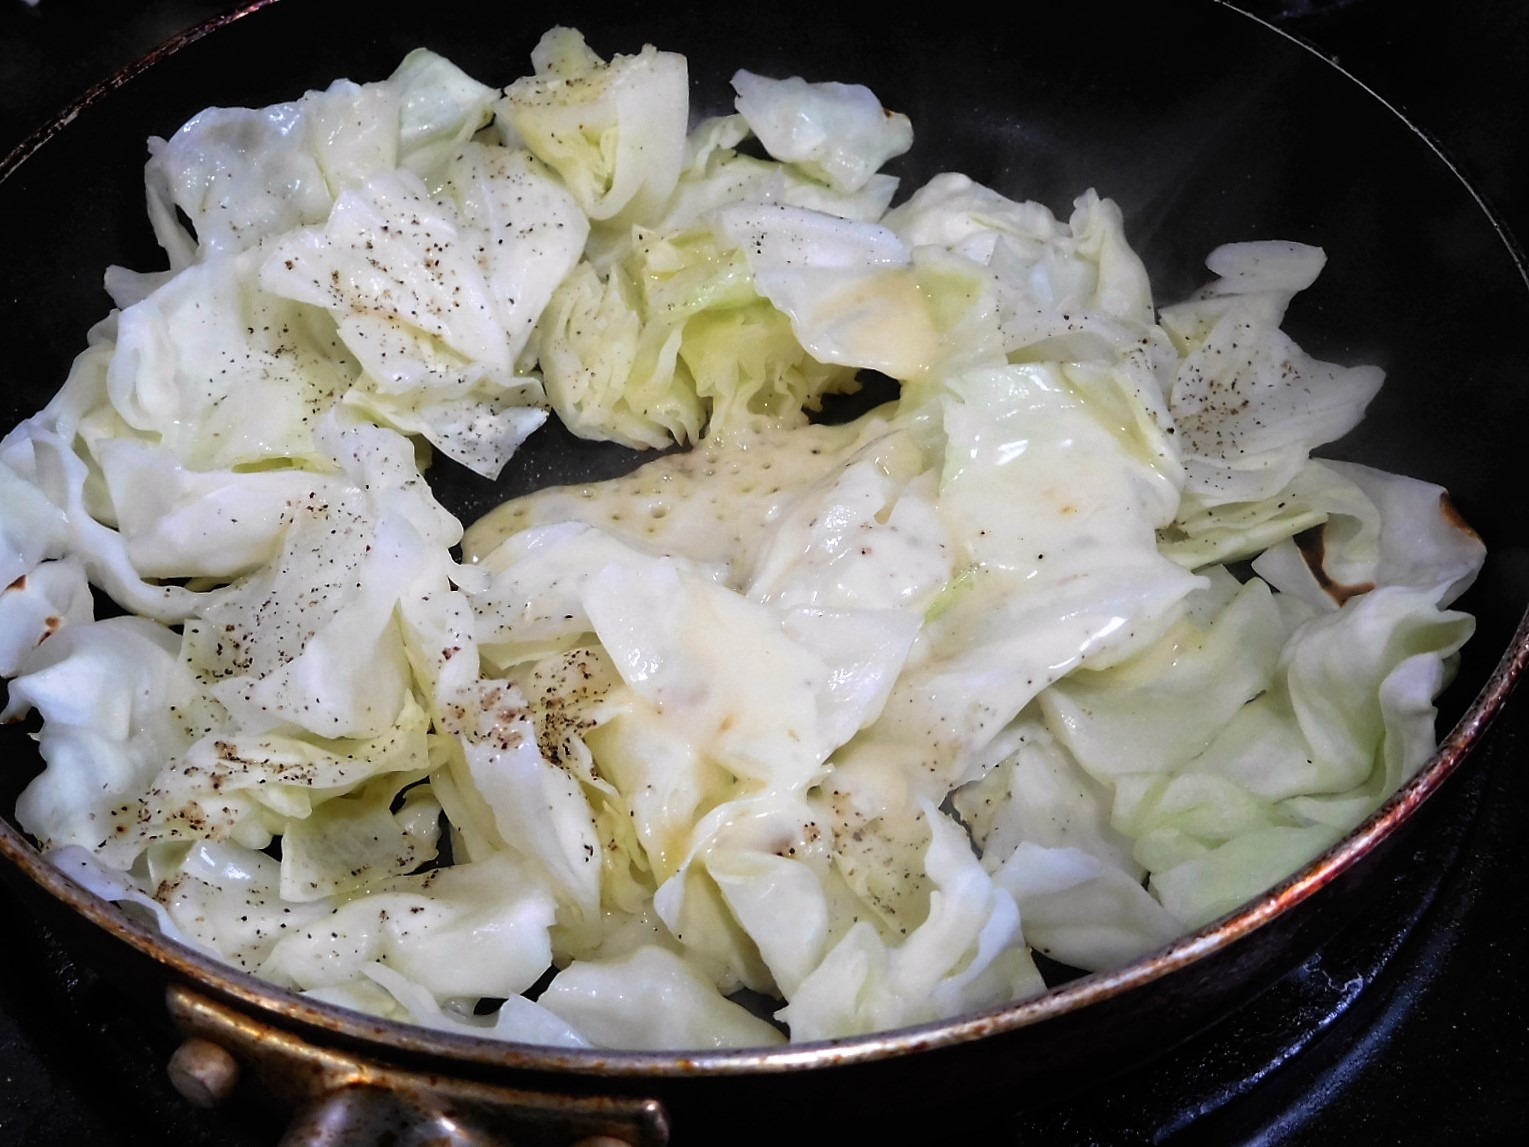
<point x="857" y="717"/>
<point x="615" y="131"/>
<point x="837" y="133"/>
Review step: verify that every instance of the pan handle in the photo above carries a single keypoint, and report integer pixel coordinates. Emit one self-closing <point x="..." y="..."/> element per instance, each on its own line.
<point x="352" y="1116"/>
<point x="343" y="1100"/>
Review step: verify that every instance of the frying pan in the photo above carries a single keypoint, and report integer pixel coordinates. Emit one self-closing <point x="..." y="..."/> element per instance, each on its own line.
<point x="1247" y="136"/>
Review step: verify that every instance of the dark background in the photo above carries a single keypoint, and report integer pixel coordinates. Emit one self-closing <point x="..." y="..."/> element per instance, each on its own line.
<point x="1407" y="1032"/>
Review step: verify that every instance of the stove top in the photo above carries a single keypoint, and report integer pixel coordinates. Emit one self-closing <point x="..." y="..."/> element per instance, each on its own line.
<point x="1410" y="1026"/>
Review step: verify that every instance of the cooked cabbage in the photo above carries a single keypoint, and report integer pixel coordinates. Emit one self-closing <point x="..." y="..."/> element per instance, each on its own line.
<point x="857" y="717"/>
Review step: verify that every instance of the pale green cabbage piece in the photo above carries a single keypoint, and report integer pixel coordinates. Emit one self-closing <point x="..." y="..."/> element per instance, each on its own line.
<point x="844" y="284"/>
<point x="1202" y="536"/>
<point x="680" y="324"/>
<point x="615" y="131"/>
<point x="609" y="375"/>
<point x="1261" y="769"/>
<point x="671" y="340"/>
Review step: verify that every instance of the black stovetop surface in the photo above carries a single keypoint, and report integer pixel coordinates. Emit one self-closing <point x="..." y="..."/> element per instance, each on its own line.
<point x="1410" y="1026"/>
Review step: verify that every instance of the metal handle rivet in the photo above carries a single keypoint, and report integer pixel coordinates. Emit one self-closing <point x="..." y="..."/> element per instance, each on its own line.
<point x="203" y="1072"/>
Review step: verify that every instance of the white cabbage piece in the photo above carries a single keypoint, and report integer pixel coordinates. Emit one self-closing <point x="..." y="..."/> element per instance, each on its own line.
<point x="1042" y="825"/>
<point x="752" y="700"/>
<point x="779" y="903"/>
<point x="1036" y="794"/>
<point x="715" y="175"/>
<point x="1083" y="297"/>
<point x="440" y="107"/>
<point x="940" y="286"/>
<point x="468" y="931"/>
<point x="651" y="999"/>
<point x="121" y="888"/>
<point x="844" y="284"/>
<point x="713" y="505"/>
<point x="862" y="537"/>
<point x="1249" y="404"/>
<point x="832" y="669"/>
<point x="271" y="662"/>
<point x="614" y="131"/>
<point x="223" y="896"/>
<point x="224" y="373"/>
<point x="383" y="991"/>
<point x="481" y="431"/>
<point x="390" y="250"/>
<point x="106" y="693"/>
<point x="533" y="231"/>
<point x="1081" y="910"/>
<point x="461" y="933"/>
<point x="228" y="784"/>
<point x="1382" y="530"/>
<point x="349" y="842"/>
<point x="1118" y="286"/>
<point x="536" y="808"/>
<point x="177" y="522"/>
<point x="36" y="605"/>
<point x="238" y="175"/>
<point x="966" y="955"/>
<point x="32" y="528"/>
<point x="41" y="590"/>
<point x="242" y="175"/>
<point x="752" y="816"/>
<point x="953" y="211"/>
<point x="277" y="647"/>
<point x="758" y="902"/>
<point x="432" y="301"/>
<point x="570" y="696"/>
<point x="1072" y="292"/>
<point x="62" y="476"/>
<point x="838" y="133"/>
<point x="534" y="603"/>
